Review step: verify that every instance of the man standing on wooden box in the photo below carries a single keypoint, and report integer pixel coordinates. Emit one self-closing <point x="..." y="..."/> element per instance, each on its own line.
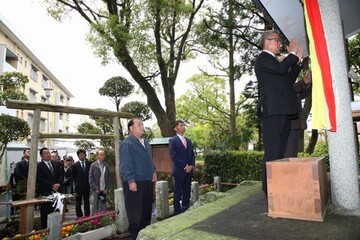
<point x="49" y="179"/>
<point x="182" y="154"/>
<point x="277" y="99"/>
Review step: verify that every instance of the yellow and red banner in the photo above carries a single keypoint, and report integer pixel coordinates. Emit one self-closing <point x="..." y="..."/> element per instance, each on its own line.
<point x="323" y="100"/>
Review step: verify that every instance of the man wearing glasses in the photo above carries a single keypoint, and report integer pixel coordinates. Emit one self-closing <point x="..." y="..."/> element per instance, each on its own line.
<point x="277" y="99"/>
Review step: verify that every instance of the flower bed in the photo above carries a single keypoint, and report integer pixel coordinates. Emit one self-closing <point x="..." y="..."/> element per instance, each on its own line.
<point x="99" y="224"/>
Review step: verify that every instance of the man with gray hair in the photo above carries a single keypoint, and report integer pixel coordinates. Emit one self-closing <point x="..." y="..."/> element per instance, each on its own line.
<point x="277" y="99"/>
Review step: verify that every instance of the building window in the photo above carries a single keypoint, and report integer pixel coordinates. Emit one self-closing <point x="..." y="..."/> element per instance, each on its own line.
<point x="32" y="95"/>
<point x="43" y="124"/>
<point x="34" y="73"/>
<point x="25" y="63"/>
<point x="41" y="143"/>
<point x="62" y="99"/>
<point x="67" y="129"/>
<point x="61" y="116"/>
<point x="45" y="83"/>
<point x="30" y="120"/>
<point x="43" y="99"/>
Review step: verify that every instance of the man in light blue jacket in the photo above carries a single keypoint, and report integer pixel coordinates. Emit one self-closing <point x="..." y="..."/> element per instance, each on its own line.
<point x="138" y="171"/>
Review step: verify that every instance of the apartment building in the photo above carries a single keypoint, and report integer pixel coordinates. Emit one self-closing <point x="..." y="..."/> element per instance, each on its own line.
<point x="43" y="86"/>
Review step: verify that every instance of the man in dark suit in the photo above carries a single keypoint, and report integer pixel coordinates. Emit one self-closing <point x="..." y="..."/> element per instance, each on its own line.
<point x="80" y="176"/>
<point x="302" y="89"/>
<point x="49" y="178"/>
<point x="182" y="154"/>
<point x="277" y="103"/>
<point x="21" y="175"/>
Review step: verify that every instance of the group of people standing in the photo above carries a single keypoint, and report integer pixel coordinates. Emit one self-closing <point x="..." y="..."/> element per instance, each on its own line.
<point x="136" y="168"/>
<point x="279" y="107"/>
<point x="79" y="178"/>
<point x="138" y="171"/>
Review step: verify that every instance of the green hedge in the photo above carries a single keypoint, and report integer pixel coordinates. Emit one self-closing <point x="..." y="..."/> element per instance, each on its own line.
<point x="233" y="166"/>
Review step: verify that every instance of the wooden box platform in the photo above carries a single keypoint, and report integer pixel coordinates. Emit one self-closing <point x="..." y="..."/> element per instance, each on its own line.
<point x="297" y="188"/>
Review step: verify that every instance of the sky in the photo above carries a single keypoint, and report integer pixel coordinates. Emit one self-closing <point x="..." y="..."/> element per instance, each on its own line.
<point x="63" y="49"/>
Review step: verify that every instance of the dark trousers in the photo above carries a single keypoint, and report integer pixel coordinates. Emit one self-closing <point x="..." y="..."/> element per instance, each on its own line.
<point x="138" y="206"/>
<point x="292" y="145"/>
<point x="45" y="210"/>
<point x="275" y="130"/>
<point x="85" y="195"/>
<point x="182" y="189"/>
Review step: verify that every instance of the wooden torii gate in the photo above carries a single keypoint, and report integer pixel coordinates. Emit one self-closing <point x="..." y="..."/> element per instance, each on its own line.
<point x="36" y="135"/>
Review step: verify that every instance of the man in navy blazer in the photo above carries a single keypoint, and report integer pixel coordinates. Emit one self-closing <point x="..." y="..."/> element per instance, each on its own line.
<point x="80" y="175"/>
<point x="278" y="102"/>
<point x="182" y="154"/>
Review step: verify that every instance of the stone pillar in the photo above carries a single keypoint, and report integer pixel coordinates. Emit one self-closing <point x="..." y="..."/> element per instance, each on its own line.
<point x="217" y="181"/>
<point x="194" y="196"/>
<point x="342" y="148"/>
<point x="162" y="199"/>
<point x="54" y="223"/>
<point x="121" y="221"/>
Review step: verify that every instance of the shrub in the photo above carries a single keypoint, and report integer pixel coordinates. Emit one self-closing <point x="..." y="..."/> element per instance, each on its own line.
<point x="233" y="166"/>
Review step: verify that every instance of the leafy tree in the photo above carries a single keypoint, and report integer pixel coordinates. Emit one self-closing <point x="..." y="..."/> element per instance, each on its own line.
<point x="208" y="100"/>
<point x="12" y="128"/>
<point x="139" y="109"/>
<point x="354" y="58"/>
<point x="116" y="88"/>
<point x="11" y="86"/>
<point x="228" y="35"/>
<point x="86" y="128"/>
<point x="149" y="38"/>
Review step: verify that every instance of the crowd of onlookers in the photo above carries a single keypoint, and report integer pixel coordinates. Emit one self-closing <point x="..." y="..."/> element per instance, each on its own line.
<point x="65" y="176"/>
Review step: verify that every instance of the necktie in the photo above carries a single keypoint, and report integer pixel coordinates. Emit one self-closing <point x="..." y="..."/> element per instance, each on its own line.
<point x="51" y="168"/>
<point x="184" y="142"/>
<point x="83" y="165"/>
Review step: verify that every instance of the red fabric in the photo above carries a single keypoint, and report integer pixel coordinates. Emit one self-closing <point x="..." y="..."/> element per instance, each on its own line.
<point x="315" y="19"/>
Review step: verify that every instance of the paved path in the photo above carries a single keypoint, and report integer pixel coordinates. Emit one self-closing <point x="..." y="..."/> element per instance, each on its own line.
<point x="243" y="215"/>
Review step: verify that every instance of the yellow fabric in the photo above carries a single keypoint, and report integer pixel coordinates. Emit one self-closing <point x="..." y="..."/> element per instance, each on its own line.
<point x="319" y="107"/>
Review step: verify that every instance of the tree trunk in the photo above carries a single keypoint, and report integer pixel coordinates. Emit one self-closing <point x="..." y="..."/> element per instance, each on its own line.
<point x="306" y="112"/>
<point x="231" y="71"/>
<point x="312" y="142"/>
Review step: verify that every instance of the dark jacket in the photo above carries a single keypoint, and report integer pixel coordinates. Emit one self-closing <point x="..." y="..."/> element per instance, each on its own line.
<point x="276" y="79"/>
<point x="67" y="177"/>
<point x="136" y="163"/>
<point x="81" y="178"/>
<point x="181" y="155"/>
<point x="45" y="179"/>
<point x="95" y="174"/>
<point x="302" y="91"/>
<point x="21" y="170"/>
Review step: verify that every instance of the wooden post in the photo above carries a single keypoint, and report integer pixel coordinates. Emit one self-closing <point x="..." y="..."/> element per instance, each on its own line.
<point x="31" y="183"/>
<point x="117" y="153"/>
